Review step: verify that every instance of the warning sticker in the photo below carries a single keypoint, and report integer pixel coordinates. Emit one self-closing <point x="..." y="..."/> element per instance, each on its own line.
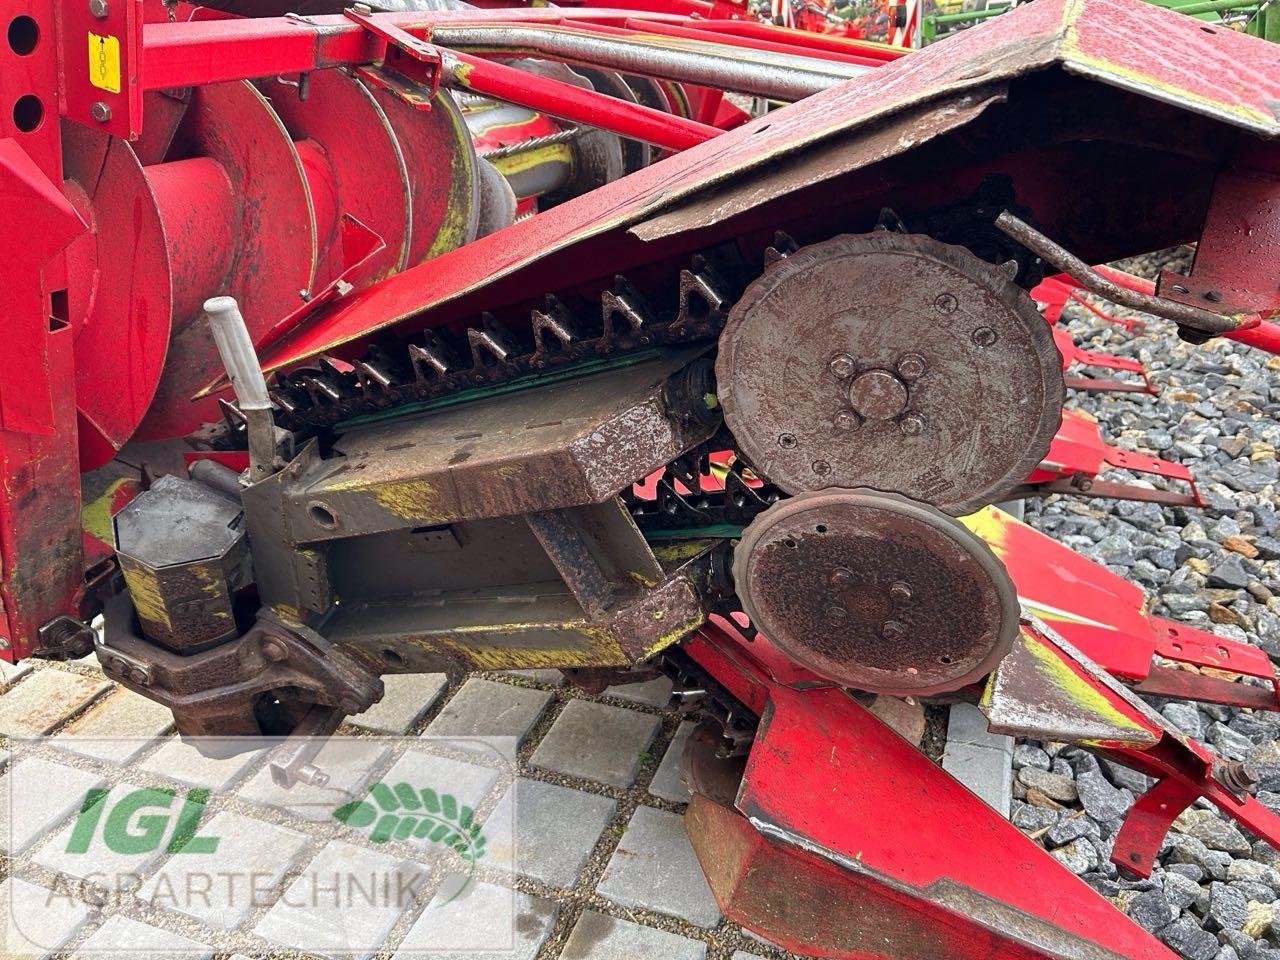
<point x="104" y="62"/>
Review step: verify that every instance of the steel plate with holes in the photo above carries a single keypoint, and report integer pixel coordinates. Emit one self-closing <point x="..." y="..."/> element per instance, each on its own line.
<point x="876" y="592"/>
<point x="890" y="361"/>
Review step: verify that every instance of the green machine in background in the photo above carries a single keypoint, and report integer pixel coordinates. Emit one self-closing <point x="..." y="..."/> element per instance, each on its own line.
<point x="1259" y="18"/>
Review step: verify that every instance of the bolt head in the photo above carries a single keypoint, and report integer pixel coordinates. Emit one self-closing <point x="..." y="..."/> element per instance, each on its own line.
<point x="98" y="8"/>
<point x="842" y="366"/>
<point x="821" y="467"/>
<point x="846" y="420"/>
<point x="274" y="651"/>
<point x="893" y="630"/>
<point x="100" y="111"/>
<point x="946" y="303"/>
<point x="840" y="576"/>
<point x="911" y="366"/>
<point x="835" y="612"/>
<point x="912" y="425"/>
<point x="787" y="441"/>
<point x="900" y="591"/>
<point x="984" y="337"/>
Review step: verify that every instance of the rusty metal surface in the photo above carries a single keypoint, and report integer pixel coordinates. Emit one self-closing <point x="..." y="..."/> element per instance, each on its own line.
<point x="554" y="446"/>
<point x="1034" y="693"/>
<point x="876" y="592"/>
<point x="894" y="362"/>
<point x="261" y="683"/>
<point x="181" y="546"/>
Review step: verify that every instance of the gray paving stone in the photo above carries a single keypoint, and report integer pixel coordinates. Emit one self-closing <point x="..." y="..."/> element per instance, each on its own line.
<point x="407" y="697"/>
<point x="597" y="742"/>
<point x="597" y="937"/>
<point x="489" y="708"/>
<point x="99" y="864"/>
<point x="35" y="794"/>
<point x="121" y="938"/>
<point x="181" y="761"/>
<point x="350" y="764"/>
<point x="668" y="780"/>
<point x="468" y="783"/>
<point x="652" y="693"/>
<point x="11" y="673"/>
<point x="552" y="678"/>
<point x="222" y="888"/>
<point x="45" y="700"/>
<point x="978" y="758"/>
<point x="117" y="728"/>
<point x="654" y="868"/>
<point x="343" y="903"/>
<point x="546" y="831"/>
<point x="35" y="921"/>
<point x="503" y="924"/>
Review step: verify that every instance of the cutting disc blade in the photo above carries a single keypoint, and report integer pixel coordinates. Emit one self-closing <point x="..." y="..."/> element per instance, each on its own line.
<point x="876" y="592"/>
<point x="890" y="361"/>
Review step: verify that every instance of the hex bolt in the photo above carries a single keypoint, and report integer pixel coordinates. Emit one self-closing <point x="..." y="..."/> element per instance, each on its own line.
<point x="846" y="420"/>
<point x="839" y="576"/>
<point x="893" y="630"/>
<point x="842" y="366"/>
<point x="274" y="650"/>
<point x="835" y="612"/>
<point x="900" y="591"/>
<point x="912" y="425"/>
<point x="946" y="303"/>
<point x="911" y="366"/>
<point x="821" y="467"/>
<point x="1213" y="296"/>
<point x="984" y="337"/>
<point x="138" y="676"/>
<point x="98" y="8"/>
<point x="100" y="111"/>
<point x="787" y="441"/>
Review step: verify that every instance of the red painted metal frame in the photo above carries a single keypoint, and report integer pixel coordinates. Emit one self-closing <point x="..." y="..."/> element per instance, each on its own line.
<point x="1076" y="356"/>
<point x="1265" y="335"/>
<point x="41" y="560"/>
<point x="1104" y="616"/>
<point x="1078" y="455"/>
<point x="908" y="863"/>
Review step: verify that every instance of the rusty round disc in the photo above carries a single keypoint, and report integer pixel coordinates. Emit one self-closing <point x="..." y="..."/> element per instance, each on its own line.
<point x="876" y="592"/>
<point x="890" y="361"/>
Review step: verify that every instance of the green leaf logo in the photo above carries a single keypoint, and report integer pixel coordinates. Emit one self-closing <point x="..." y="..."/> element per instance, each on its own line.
<point x="400" y="812"/>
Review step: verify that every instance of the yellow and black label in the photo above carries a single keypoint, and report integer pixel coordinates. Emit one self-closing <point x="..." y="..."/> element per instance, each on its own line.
<point x="104" y="62"/>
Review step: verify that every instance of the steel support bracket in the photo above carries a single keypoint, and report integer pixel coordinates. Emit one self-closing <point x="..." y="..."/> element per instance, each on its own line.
<point x="410" y="67"/>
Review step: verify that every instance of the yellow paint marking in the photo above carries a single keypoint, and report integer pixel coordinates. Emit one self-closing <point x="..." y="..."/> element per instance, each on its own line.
<point x="1075" y="688"/>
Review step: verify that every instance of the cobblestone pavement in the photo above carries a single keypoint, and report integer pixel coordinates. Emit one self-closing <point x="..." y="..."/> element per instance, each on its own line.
<point x="605" y="871"/>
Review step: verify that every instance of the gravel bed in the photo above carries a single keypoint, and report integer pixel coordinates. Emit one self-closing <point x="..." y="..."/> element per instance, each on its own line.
<point x="1214" y="893"/>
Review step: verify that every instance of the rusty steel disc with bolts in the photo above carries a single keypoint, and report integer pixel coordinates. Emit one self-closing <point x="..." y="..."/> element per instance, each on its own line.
<point x="890" y="361"/>
<point x="876" y="592"/>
